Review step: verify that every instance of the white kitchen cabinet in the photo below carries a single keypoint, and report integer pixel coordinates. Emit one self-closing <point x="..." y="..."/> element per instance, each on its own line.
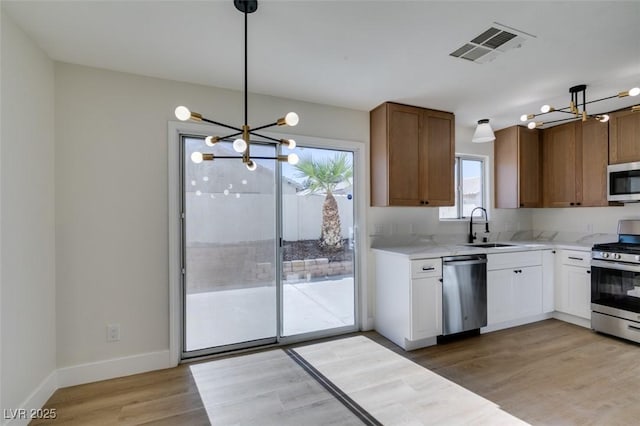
<point x="499" y="296"/>
<point x="513" y="293"/>
<point x="573" y="286"/>
<point x="408" y="299"/>
<point x="426" y="308"/>
<point x="515" y="290"/>
<point x="548" y="280"/>
<point x="528" y="291"/>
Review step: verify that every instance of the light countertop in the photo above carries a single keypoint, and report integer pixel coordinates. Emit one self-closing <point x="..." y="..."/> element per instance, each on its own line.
<point x="430" y="249"/>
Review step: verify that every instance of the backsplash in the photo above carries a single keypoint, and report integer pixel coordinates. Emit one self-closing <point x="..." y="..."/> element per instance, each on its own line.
<point x="584" y="225"/>
<point x="584" y="219"/>
<point x="393" y="221"/>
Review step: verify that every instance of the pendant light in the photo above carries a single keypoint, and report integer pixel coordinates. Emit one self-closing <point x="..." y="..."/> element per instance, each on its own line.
<point x="243" y="136"/>
<point x="484" y="132"/>
<point x="577" y="107"/>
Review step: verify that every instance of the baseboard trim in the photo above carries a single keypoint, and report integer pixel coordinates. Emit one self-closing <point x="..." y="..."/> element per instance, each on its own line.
<point x="410" y="345"/>
<point x="33" y="402"/>
<point x="582" y="322"/>
<point x="112" y="368"/>
<point x="368" y="324"/>
<point x="516" y="323"/>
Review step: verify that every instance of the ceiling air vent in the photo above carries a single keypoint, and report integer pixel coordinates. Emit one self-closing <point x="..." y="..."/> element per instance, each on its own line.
<point x="485" y="47"/>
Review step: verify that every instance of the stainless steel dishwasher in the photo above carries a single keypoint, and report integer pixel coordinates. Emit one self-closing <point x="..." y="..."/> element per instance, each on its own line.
<point x="464" y="293"/>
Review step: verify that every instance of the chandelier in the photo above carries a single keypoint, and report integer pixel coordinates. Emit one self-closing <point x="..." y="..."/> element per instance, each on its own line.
<point x="577" y="107"/>
<point x="242" y="137"/>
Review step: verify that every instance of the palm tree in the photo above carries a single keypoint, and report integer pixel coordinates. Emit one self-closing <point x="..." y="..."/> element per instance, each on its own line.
<point x="323" y="177"/>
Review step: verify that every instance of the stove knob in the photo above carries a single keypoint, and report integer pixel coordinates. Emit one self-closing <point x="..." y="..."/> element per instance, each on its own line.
<point x="617" y="256"/>
<point x="604" y="254"/>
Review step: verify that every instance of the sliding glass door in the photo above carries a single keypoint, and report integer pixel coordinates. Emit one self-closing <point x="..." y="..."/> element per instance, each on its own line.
<point x="268" y="254"/>
<point x="229" y="250"/>
<point x="318" y="246"/>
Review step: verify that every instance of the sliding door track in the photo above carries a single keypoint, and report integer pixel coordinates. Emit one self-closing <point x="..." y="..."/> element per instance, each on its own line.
<point x="334" y="390"/>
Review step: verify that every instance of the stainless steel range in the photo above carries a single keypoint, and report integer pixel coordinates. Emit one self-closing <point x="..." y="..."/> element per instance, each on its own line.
<point x="615" y="283"/>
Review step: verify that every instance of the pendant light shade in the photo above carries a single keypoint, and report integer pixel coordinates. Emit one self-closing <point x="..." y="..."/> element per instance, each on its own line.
<point x="484" y="132"/>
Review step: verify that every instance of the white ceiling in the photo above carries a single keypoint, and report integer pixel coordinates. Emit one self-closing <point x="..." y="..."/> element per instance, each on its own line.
<point x="358" y="53"/>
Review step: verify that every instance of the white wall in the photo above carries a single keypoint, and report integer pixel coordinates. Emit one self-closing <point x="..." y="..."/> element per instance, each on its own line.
<point x="27" y="302"/>
<point x="302" y="216"/>
<point x="111" y="200"/>
<point x="584" y="220"/>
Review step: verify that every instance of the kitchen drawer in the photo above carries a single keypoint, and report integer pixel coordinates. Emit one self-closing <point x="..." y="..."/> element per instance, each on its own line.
<point x="424" y="268"/>
<point x="517" y="259"/>
<point x="575" y="258"/>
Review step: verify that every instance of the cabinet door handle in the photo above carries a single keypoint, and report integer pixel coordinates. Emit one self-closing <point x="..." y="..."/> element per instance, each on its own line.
<point x="421" y="202"/>
<point x="631" y="327"/>
<point x="521" y="205"/>
<point x="426" y="202"/>
<point x="571" y="204"/>
<point x="430" y="268"/>
<point x="577" y="204"/>
<point x="440" y="279"/>
<point x="575" y="258"/>
<point x="588" y="271"/>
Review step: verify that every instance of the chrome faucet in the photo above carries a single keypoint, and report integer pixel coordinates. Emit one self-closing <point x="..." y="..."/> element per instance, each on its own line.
<point x="472" y="236"/>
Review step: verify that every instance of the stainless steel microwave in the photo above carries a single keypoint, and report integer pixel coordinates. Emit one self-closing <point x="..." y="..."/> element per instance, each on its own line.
<point x="623" y="182"/>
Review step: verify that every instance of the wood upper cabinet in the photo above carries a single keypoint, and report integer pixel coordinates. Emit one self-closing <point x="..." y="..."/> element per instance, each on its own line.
<point x="404" y="155"/>
<point x="575" y="164"/>
<point x="412" y="156"/>
<point x="517" y="168"/>
<point x="437" y="158"/>
<point x="559" y="166"/>
<point x="594" y="137"/>
<point x="624" y="137"/>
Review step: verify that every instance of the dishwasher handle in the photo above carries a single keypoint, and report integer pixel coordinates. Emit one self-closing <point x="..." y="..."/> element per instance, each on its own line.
<point x="464" y="260"/>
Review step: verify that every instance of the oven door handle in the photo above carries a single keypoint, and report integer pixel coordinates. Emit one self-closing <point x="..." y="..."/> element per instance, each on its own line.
<point x="614" y="265"/>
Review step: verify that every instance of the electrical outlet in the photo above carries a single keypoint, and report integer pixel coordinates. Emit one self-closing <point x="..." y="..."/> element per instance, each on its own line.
<point x="113" y="332"/>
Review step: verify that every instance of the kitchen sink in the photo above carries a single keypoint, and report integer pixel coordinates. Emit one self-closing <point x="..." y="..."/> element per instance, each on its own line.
<point x="490" y="245"/>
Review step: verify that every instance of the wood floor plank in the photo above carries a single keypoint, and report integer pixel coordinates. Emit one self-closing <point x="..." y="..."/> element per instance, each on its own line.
<point x="395" y="390"/>
<point x="265" y="387"/>
<point x="198" y="417"/>
<point x="546" y="373"/>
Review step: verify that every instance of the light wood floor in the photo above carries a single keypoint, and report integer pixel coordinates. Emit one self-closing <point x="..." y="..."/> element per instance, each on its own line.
<point x="396" y="391"/>
<point x="263" y="388"/>
<point x="549" y="372"/>
<point x="546" y="373"/>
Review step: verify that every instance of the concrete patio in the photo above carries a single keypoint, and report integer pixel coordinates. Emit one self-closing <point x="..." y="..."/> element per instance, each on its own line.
<point x="229" y="316"/>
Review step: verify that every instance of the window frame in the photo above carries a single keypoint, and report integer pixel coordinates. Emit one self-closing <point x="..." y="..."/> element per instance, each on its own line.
<point x="484" y="160"/>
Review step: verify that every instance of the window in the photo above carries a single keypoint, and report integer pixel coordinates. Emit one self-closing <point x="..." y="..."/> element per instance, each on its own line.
<point x="469" y="187"/>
